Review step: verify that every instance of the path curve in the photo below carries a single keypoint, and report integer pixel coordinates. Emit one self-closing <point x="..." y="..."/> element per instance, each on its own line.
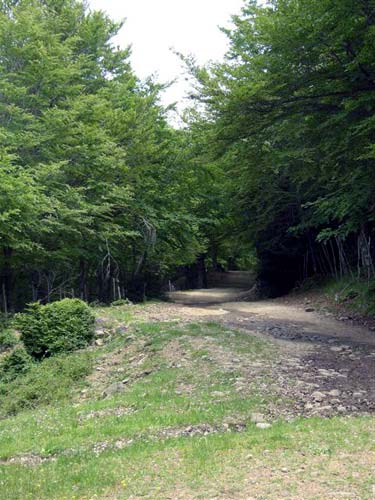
<point x="297" y="322"/>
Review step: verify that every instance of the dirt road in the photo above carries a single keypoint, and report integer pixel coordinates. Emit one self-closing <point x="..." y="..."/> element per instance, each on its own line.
<point x="327" y="367"/>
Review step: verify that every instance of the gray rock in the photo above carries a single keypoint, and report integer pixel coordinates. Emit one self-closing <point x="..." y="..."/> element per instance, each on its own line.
<point x="337" y="348"/>
<point x="326" y="373"/>
<point x="115" y="388"/>
<point x="263" y="425"/>
<point x="318" y="396"/>
<point x="309" y="406"/>
<point x="335" y="393"/>
<point x="122" y="329"/>
<point x="357" y="394"/>
<point x="325" y="408"/>
<point x="257" y="418"/>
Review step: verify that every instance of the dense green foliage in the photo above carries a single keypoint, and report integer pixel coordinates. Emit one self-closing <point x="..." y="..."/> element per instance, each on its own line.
<point x="290" y="117"/>
<point x="7" y="340"/>
<point x="100" y="198"/>
<point x="59" y="327"/>
<point x="97" y="194"/>
<point x="15" y="363"/>
<point x="49" y="382"/>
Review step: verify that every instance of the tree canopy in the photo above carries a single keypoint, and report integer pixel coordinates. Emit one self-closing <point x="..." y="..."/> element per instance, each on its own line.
<point x="101" y="198"/>
<point x="97" y="193"/>
<point x="291" y="114"/>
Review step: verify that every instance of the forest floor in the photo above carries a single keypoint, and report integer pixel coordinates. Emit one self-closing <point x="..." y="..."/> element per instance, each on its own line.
<point x="207" y="397"/>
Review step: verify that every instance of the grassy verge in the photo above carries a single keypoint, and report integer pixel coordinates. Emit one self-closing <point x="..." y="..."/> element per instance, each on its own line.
<point x="356" y="296"/>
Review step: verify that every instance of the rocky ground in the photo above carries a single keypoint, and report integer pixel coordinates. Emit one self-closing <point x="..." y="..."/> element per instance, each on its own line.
<point x="326" y="368"/>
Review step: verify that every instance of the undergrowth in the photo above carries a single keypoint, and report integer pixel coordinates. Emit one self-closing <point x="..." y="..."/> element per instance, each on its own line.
<point x="50" y="381"/>
<point x="356" y="295"/>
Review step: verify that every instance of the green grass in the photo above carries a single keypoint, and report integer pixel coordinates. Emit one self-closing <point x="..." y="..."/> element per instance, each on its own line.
<point x="356" y="295"/>
<point x="185" y="385"/>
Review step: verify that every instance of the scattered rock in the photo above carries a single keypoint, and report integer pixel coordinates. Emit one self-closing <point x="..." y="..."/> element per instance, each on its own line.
<point x="122" y="329"/>
<point x="257" y="418"/>
<point x="219" y="394"/>
<point x="263" y="425"/>
<point x="99" y="342"/>
<point x="335" y="393"/>
<point x="29" y="460"/>
<point x="108" y="412"/>
<point x="337" y="348"/>
<point x="115" y="388"/>
<point x="318" y="396"/>
<point x="325" y="408"/>
<point x="309" y="406"/>
<point x="146" y="372"/>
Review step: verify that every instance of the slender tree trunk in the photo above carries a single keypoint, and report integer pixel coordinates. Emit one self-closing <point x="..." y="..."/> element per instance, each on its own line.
<point x="202" y="272"/>
<point x="83" y="279"/>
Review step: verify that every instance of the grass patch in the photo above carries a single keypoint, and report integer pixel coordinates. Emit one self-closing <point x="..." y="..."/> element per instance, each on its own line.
<point x="200" y="467"/>
<point x="356" y="295"/>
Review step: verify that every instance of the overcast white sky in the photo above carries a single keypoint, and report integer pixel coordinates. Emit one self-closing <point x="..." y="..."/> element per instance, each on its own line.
<point x="153" y="27"/>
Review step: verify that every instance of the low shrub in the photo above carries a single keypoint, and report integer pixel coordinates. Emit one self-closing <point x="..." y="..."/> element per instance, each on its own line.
<point x="49" y="382"/>
<point x="7" y="340"/>
<point x="4" y="321"/>
<point x="121" y="302"/>
<point x="16" y="363"/>
<point x="56" y="328"/>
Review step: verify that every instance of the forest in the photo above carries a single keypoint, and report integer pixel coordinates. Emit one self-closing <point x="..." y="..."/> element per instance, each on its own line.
<point x="126" y="370"/>
<point x="103" y="199"/>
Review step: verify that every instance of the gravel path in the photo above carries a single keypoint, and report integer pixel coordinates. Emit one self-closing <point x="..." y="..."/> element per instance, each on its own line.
<point x="326" y="366"/>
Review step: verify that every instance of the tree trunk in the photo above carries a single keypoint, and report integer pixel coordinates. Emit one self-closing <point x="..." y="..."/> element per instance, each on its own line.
<point x="83" y="279"/>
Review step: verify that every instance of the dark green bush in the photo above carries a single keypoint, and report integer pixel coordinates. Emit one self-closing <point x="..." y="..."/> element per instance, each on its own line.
<point x="56" y="328"/>
<point x="52" y="381"/>
<point x="16" y="363"/>
<point x="121" y="302"/>
<point x="7" y="340"/>
<point x="4" y="321"/>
